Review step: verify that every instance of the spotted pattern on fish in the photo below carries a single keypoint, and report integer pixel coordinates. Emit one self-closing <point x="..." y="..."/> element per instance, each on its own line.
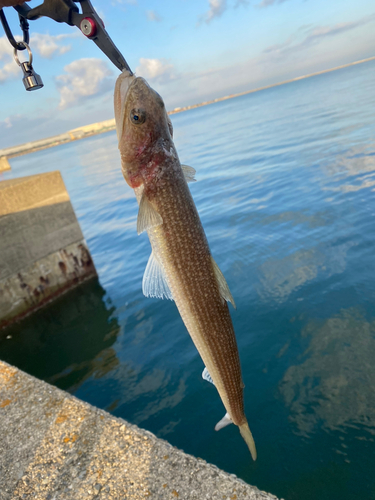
<point x="150" y="165"/>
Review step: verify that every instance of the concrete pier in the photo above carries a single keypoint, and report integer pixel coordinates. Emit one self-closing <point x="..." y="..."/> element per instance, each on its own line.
<point x="42" y="250"/>
<point x="56" y="447"/>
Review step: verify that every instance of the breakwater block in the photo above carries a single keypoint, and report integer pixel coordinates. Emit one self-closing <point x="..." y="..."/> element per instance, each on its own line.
<point x="54" y="446"/>
<point x="42" y="249"/>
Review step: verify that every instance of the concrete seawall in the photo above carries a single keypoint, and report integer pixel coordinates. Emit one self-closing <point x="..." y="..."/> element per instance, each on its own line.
<point x="56" y="447"/>
<point x="42" y="249"/>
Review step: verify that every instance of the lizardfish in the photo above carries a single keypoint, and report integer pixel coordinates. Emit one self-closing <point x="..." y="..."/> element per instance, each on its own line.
<point x="181" y="266"/>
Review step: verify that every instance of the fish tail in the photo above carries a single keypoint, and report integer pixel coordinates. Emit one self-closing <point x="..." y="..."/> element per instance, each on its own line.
<point x="249" y="440"/>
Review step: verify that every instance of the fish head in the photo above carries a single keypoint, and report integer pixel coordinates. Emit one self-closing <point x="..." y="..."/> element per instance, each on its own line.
<point x="143" y="127"/>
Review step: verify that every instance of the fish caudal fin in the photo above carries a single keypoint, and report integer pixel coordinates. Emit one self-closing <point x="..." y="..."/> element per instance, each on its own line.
<point x="249" y="440"/>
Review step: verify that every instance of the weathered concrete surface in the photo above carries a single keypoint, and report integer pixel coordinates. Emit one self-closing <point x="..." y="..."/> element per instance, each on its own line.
<point x="42" y="249"/>
<point x="56" y="447"/>
<point x="4" y="164"/>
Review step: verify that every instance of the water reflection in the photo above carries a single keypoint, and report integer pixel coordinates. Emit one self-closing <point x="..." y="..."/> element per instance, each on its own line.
<point x="72" y="340"/>
<point x="280" y="277"/>
<point x="358" y="159"/>
<point x="334" y="386"/>
<point x="359" y="163"/>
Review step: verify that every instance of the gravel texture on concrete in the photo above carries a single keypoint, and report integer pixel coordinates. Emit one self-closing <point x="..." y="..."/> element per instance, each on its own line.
<point x="56" y="447"/>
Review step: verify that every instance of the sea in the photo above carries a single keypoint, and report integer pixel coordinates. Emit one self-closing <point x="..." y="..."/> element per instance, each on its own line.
<point x="285" y="191"/>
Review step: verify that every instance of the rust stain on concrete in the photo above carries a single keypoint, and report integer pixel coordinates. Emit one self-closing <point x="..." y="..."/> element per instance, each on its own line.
<point x="5" y="403"/>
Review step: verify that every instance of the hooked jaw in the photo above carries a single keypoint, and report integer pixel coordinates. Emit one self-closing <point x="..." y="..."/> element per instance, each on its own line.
<point x="123" y="83"/>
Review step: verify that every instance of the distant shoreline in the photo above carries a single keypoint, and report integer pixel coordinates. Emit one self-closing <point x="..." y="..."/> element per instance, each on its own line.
<point x="231" y="96"/>
<point x="108" y="125"/>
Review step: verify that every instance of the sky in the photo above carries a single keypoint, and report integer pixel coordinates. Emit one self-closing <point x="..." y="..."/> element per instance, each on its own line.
<point x="189" y="51"/>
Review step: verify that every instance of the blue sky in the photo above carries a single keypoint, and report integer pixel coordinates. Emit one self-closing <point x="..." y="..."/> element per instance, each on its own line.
<point x="189" y="50"/>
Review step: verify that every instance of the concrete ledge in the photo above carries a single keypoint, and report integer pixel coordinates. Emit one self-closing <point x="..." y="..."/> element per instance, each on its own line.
<point x="42" y="250"/>
<point x="33" y="191"/>
<point x="56" y="447"/>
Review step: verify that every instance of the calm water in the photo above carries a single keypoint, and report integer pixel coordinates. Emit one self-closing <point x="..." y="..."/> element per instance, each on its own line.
<point x="285" y="190"/>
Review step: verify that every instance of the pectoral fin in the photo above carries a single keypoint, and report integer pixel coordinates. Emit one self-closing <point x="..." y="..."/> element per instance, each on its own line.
<point x="154" y="282"/>
<point x="222" y="283"/>
<point x="147" y="216"/>
<point x="189" y="173"/>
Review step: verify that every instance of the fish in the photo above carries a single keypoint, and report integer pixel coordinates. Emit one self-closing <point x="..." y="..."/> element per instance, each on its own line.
<point x="180" y="266"/>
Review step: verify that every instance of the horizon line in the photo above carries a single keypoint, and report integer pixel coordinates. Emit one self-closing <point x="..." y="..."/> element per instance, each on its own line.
<point x="232" y="96"/>
<point x="109" y="125"/>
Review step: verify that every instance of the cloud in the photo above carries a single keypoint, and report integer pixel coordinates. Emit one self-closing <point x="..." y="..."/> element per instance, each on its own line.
<point x="5" y="48"/>
<point x="156" y="69"/>
<point x="314" y="35"/>
<point x="267" y="3"/>
<point x="50" y="45"/>
<point x="217" y="7"/>
<point x="83" y="78"/>
<point x="153" y="16"/>
<point x="8" y="122"/>
<point x="8" y="69"/>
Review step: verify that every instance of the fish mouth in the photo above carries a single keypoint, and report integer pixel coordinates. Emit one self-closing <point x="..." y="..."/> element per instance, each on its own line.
<point x="123" y="83"/>
<point x="127" y="81"/>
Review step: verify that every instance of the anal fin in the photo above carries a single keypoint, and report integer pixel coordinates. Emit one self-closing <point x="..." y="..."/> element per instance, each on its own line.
<point x="207" y="376"/>
<point x="154" y="283"/>
<point x="226" y="420"/>
<point x="222" y="283"/>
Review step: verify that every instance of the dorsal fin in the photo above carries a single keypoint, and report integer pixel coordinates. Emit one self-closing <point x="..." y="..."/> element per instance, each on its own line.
<point x="223" y="285"/>
<point x="147" y="216"/>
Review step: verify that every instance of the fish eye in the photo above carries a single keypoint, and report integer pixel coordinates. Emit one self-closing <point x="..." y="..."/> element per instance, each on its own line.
<point x="137" y="116"/>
